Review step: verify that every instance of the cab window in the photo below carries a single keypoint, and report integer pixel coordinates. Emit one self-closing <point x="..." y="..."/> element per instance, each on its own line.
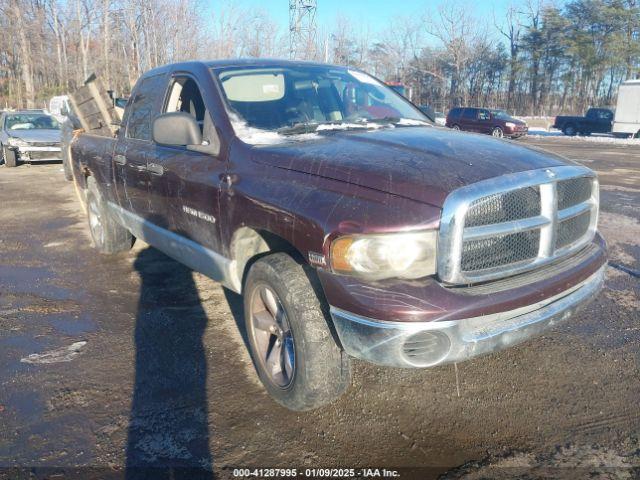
<point x="184" y="96"/>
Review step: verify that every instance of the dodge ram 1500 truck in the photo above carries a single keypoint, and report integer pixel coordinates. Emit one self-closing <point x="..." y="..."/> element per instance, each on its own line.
<point x="351" y="225"/>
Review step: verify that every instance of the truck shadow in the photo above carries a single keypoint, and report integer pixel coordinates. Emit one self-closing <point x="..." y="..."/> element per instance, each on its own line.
<point x="168" y="435"/>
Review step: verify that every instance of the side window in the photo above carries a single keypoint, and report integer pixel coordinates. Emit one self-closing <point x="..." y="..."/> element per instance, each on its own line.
<point x="484" y="115"/>
<point x="604" y="115"/>
<point x="184" y="96"/>
<point x="455" y="113"/>
<point x="142" y="107"/>
<point x="469" y="114"/>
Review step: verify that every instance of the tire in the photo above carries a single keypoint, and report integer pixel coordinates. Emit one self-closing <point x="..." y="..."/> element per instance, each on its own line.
<point x="497" y="132"/>
<point x="10" y="157"/>
<point x="108" y="235"/>
<point x="456" y="127"/>
<point x="569" y="130"/>
<point x="292" y="346"/>
<point x="66" y="162"/>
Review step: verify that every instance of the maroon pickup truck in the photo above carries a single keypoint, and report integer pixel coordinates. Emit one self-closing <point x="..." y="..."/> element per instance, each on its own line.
<point x="351" y="225"/>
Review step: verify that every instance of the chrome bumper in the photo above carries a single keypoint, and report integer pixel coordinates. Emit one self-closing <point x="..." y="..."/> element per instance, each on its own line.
<point x="406" y="344"/>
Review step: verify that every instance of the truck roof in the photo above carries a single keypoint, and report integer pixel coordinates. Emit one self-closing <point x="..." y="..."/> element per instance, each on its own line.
<point x="237" y="62"/>
<point x="631" y="82"/>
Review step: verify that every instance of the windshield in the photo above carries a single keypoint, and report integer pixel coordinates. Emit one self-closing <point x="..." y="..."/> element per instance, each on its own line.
<point x="501" y="114"/>
<point x="305" y="99"/>
<point x="31" y="121"/>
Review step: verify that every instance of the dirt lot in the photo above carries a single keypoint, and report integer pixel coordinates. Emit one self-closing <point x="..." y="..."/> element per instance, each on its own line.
<point x="133" y="360"/>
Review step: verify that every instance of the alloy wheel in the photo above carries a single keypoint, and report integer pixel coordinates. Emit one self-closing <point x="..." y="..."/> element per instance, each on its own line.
<point x="272" y="336"/>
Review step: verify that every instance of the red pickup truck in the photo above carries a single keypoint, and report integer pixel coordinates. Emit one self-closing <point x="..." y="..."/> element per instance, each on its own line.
<point x="351" y="225"/>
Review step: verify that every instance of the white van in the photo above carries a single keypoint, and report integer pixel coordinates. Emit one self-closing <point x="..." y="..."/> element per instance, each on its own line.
<point x="627" y="119"/>
<point x="59" y="107"/>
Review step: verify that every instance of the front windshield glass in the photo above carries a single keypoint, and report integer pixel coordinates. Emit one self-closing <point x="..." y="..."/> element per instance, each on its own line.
<point x="306" y="99"/>
<point x="500" y="114"/>
<point x="31" y="121"/>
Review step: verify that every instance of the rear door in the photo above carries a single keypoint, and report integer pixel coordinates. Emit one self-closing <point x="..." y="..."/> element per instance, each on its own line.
<point x="185" y="181"/>
<point x="135" y="145"/>
<point x="468" y="119"/>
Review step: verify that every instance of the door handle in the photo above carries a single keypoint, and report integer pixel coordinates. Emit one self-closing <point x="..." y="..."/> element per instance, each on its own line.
<point x="120" y="159"/>
<point x="139" y="168"/>
<point x="155" y="169"/>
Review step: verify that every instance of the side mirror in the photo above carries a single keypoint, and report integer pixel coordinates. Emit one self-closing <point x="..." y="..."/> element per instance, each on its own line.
<point x="176" y="128"/>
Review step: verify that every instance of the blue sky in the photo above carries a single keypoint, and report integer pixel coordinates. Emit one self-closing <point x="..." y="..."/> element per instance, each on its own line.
<point x="375" y="13"/>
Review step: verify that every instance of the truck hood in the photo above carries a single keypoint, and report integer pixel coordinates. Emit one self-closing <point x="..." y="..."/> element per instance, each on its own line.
<point x="36" y="135"/>
<point x="420" y="163"/>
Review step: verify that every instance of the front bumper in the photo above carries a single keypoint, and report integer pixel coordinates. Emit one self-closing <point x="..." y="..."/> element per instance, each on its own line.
<point x="425" y="344"/>
<point x="38" y="154"/>
<point x="515" y="133"/>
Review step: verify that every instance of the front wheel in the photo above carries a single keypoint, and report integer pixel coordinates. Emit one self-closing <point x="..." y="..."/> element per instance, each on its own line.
<point x="293" y="349"/>
<point x="497" y="132"/>
<point x="10" y="157"/>
<point x="107" y="234"/>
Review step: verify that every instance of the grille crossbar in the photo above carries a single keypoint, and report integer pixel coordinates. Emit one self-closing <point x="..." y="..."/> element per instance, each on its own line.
<point x="517" y="222"/>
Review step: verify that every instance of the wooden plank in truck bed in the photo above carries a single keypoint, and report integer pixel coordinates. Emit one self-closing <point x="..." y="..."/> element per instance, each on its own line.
<point x="94" y="108"/>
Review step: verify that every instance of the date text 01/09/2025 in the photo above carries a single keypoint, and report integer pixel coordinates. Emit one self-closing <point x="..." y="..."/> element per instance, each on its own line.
<point x="316" y="473"/>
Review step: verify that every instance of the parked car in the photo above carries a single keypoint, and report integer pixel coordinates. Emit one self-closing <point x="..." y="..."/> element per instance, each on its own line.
<point x="626" y="122"/>
<point x="596" y="120"/>
<point x="350" y="225"/>
<point x="29" y="136"/>
<point x="497" y="123"/>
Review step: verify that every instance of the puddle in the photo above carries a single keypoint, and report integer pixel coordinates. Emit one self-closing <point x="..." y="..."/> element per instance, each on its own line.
<point x="32" y="280"/>
<point x="72" y="324"/>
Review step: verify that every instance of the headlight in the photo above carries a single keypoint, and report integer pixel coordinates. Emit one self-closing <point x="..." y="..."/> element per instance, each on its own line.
<point x="510" y="125"/>
<point x="386" y="255"/>
<point x="17" y="142"/>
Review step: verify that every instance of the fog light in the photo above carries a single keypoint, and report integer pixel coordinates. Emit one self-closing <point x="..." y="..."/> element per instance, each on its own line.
<point x="426" y="348"/>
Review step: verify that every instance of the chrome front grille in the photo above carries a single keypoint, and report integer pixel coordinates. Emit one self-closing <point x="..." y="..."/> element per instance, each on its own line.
<point x="511" y="224"/>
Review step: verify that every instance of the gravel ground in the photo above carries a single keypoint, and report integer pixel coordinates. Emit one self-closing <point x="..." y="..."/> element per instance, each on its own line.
<point x="128" y="361"/>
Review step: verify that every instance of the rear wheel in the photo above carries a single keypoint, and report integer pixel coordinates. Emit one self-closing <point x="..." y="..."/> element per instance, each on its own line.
<point x="569" y="130"/>
<point x="497" y="132"/>
<point x="456" y="127"/>
<point x="293" y="349"/>
<point x="10" y="157"/>
<point x="107" y="234"/>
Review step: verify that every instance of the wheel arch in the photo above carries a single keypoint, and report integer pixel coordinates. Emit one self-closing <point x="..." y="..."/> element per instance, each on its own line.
<point x="249" y="244"/>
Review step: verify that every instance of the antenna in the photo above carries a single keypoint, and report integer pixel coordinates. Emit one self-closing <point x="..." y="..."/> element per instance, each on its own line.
<point x="302" y="28"/>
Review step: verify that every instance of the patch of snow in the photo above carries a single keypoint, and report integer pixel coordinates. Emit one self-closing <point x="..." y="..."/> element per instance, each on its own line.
<point x="63" y="354"/>
<point x="591" y="139"/>
<point x="412" y="122"/>
<point x="347" y="126"/>
<point x="258" y="136"/>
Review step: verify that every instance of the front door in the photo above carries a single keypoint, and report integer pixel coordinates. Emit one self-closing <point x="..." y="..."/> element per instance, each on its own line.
<point x="185" y="181"/>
